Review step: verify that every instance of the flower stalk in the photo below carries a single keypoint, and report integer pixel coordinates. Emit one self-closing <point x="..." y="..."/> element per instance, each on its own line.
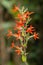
<point x="23" y="32"/>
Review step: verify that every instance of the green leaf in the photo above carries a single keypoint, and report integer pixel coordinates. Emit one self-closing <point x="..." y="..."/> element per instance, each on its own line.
<point x="23" y="58"/>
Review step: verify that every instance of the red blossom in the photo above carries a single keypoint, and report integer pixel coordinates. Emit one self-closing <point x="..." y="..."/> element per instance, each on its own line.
<point x="18" y="51"/>
<point x="17" y="47"/>
<point x="9" y="33"/>
<point x="12" y="45"/>
<point x="20" y="16"/>
<point x="35" y="36"/>
<point x="30" y="29"/>
<point x="17" y="35"/>
<point x="24" y="16"/>
<point x="19" y="25"/>
<point x="15" y="8"/>
<point x="27" y="14"/>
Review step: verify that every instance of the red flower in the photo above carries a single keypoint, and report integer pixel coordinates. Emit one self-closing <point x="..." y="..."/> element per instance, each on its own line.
<point x="18" y="51"/>
<point x="17" y="47"/>
<point x="12" y="45"/>
<point x="15" y="8"/>
<point x="27" y="14"/>
<point x="30" y="29"/>
<point x="24" y="16"/>
<point x="9" y="33"/>
<point x="20" y="16"/>
<point x="20" y="23"/>
<point x="35" y="36"/>
<point x="17" y="35"/>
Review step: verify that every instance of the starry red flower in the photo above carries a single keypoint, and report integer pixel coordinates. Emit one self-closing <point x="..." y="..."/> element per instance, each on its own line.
<point x="30" y="29"/>
<point x="35" y="36"/>
<point x="20" y="23"/>
<point x="22" y="17"/>
<point x="18" y="51"/>
<point x="9" y="33"/>
<point x="15" y="8"/>
<point x="27" y="14"/>
<point x="12" y="45"/>
<point x="17" y="35"/>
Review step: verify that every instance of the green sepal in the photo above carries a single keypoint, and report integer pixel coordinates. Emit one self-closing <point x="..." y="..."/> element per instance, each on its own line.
<point x="23" y="58"/>
<point x="25" y="45"/>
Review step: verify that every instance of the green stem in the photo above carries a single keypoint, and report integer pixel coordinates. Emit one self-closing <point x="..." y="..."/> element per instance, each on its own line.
<point x="26" y="63"/>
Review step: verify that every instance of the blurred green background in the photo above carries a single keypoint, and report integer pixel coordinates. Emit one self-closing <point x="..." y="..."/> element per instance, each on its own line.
<point x="35" y="48"/>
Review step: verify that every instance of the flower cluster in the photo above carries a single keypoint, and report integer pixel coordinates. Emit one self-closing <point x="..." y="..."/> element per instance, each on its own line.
<point x="23" y="31"/>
